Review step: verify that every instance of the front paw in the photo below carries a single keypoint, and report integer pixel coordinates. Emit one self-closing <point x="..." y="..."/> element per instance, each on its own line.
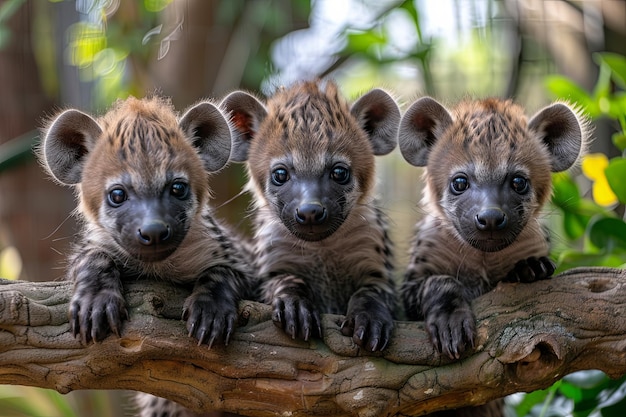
<point x="296" y="316"/>
<point x="209" y="319"/>
<point x="452" y="332"/>
<point x="531" y="269"/>
<point x="370" y="329"/>
<point x="95" y="316"/>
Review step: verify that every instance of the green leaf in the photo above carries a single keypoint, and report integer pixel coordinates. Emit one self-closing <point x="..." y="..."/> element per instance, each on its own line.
<point x="530" y="400"/>
<point x="571" y="391"/>
<point x="571" y="259"/>
<point x="563" y="88"/>
<point x="409" y="7"/>
<point x="615" y="175"/>
<point x="607" y="233"/>
<point x="574" y="224"/>
<point x="156" y="5"/>
<point x="363" y="41"/>
<point x="619" y="140"/>
<point x="565" y="191"/>
<point x="617" y="64"/>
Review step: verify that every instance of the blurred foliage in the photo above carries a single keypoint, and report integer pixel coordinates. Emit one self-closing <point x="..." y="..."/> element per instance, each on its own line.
<point x="594" y="234"/>
<point x="7" y="10"/>
<point x="10" y="263"/>
<point x="103" y="50"/>
<point x="581" y="394"/>
<point x="114" y="40"/>
<point x="22" y="401"/>
<point x="377" y="46"/>
<point x="594" y="228"/>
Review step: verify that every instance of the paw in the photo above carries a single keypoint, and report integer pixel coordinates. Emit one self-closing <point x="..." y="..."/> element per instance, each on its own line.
<point x="370" y="329"/>
<point x="208" y="319"/>
<point x="531" y="269"/>
<point x="296" y="316"/>
<point x="452" y="332"/>
<point x="95" y="316"/>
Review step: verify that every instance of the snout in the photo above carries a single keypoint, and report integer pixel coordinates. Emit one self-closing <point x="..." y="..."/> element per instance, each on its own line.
<point x="153" y="233"/>
<point x="491" y="219"/>
<point x="311" y="214"/>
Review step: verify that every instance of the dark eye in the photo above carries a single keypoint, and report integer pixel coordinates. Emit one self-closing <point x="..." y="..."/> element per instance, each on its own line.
<point x="340" y="174"/>
<point x="520" y="185"/>
<point x="117" y="196"/>
<point x="459" y="184"/>
<point x="280" y="176"/>
<point x="180" y="190"/>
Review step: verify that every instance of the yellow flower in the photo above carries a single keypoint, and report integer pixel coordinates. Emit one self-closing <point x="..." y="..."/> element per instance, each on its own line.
<point x="593" y="167"/>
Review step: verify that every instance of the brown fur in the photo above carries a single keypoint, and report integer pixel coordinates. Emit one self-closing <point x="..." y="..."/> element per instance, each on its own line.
<point x="488" y="175"/>
<point x="141" y="174"/>
<point x="142" y="179"/>
<point x="336" y="258"/>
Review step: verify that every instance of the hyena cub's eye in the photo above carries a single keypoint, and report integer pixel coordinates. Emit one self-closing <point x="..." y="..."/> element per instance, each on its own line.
<point x="280" y="176"/>
<point x="340" y="174"/>
<point x="180" y="190"/>
<point x="116" y="197"/>
<point x="459" y="184"/>
<point x="520" y="185"/>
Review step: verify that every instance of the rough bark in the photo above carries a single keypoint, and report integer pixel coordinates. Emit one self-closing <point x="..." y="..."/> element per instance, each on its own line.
<point x="529" y="336"/>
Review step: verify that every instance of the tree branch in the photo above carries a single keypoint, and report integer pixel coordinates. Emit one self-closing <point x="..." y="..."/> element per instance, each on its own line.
<point x="529" y="335"/>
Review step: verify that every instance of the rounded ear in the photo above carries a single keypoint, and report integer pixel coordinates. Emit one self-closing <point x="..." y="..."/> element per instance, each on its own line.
<point x="208" y="129"/>
<point x="378" y="114"/>
<point x="559" y="128"/>
<point x="422" y="124"/>
<point x="67" y="141"/>
<point x="246" y="114"/>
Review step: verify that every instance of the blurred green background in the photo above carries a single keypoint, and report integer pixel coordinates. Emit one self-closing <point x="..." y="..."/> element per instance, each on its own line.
<point x="87" y="53"/>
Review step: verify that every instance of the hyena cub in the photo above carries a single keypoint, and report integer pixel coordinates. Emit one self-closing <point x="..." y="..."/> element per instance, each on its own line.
<point x="142" y="182"/>
<point x="488" y="174"/>
<point x="321" y="242"/>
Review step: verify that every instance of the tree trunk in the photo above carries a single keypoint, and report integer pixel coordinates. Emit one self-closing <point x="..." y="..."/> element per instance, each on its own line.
<point x="529" y="335"/>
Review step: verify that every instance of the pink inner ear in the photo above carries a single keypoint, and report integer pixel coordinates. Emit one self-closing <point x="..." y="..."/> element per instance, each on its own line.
<point x="243" y="124"/>
<point x="422" y="121"/>
<point x="376" y="113"/>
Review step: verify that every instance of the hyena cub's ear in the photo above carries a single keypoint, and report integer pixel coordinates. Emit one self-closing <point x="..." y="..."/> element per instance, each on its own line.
<point x="421" y="126"/>
<point x="208" y="129"/>
<point x="560" y="129"/>
<point x="379" y="115"/>
<point x="66" y="143"/>
<point x="246" y="114"/>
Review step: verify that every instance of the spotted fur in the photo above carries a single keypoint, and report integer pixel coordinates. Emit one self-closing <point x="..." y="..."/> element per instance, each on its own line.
<point x="321" y="243"/>
<point x="487" y="177"/>
<point x="141" y="175"/>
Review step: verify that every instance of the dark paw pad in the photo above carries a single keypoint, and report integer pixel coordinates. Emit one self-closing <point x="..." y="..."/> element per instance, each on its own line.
<point x="531" y="269"/>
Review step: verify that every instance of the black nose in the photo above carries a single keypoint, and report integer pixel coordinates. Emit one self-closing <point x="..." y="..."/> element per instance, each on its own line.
<point x="311" y="214"/>
<point x="491" y="219"/>
<point x="153" y="233"/>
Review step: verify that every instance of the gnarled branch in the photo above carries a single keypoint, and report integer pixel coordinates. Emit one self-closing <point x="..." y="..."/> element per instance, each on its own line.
<point x="529" y="335"/>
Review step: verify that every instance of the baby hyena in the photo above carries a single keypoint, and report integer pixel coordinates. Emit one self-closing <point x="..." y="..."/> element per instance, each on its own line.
<point x="321" y="242"/>
<point x="488" y="174"/>
<point x="142" y="181"/>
